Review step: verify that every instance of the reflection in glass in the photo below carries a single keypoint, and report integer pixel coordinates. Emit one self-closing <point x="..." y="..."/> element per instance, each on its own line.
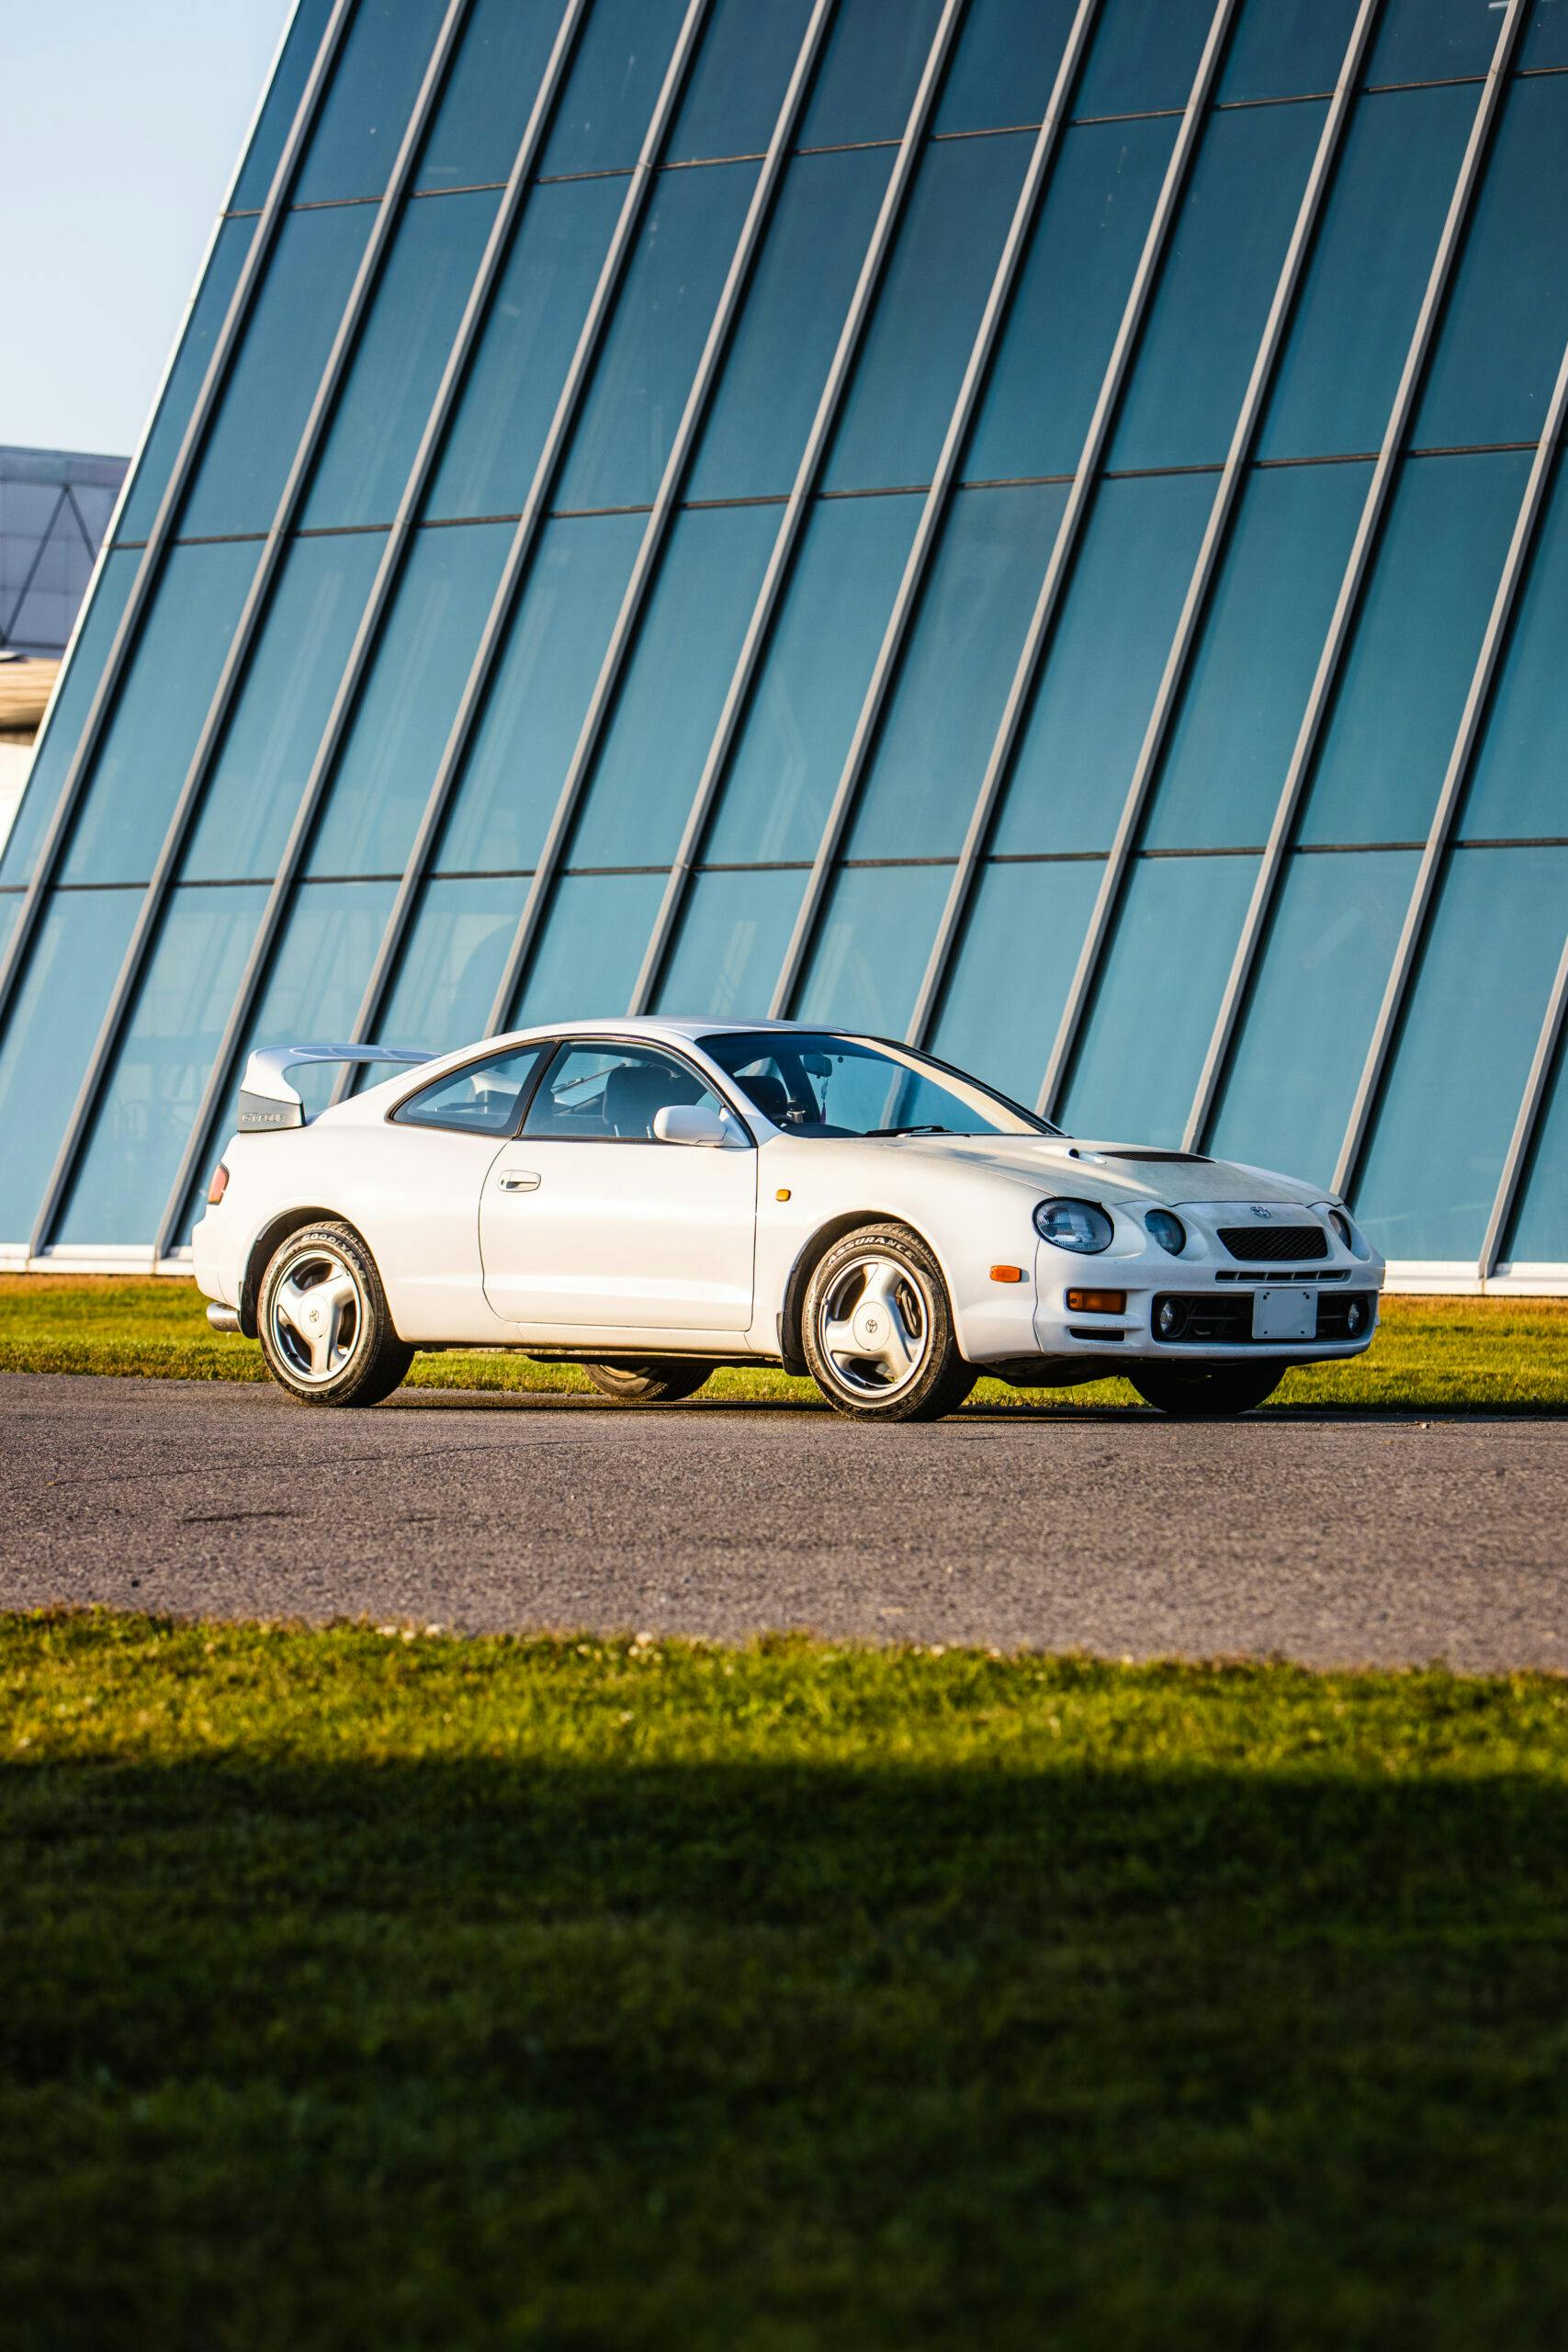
<point x="1073" y="288"/>
<point x="406" y="710"/>
<point x="525" y="349"/>
<point x="49" y="1035"/>
<point x="402" y="350"/>
<point x="1015" y="964"/>
<point x="490" y="93"/>
<point x="934" y="290"/>
<point x="735" y="87"/>
<point x="1520" y="781"/>
<point x="1230" y="744"/>
<point x="318" y="976"/>
<point x="1285" y="48"/>
<point x="374" y="81"/>
<point x="1423" y="40"/>
<point x="1005" y="64"/>
<point x="673" y="687"/>
<point x="452" y="961"/>
<point x="539" y="694"/>
<point x="789" y="324"/>
<point x="587" y="963"/>
<point x="621" y="57"/>
<point x="730" y="948"/>
<point x="158" y="714"/>
<point x="251" y="443"/>
<point x="143" y="1120"/>
<point x="870" y="71"/>
<point x="871" y="947"/>
<point x="1358" y="303"/>
<point x="1081" y="741"/>
<point x="57" y="745"/>
<point x="793" y="742"/>
<point x="1405" y="677"/>
<point x="1455" y="1085"/>
<point x="1159" y="992"/>
<point x="209" y="312"/>
<point x="917" y="797"/>
<point x="264" y="760"/>
<point x="1145" y="55"/>
<point x="1304" y="1034"/>
<point x="1219" y="271"/>
<point x="284" y="92"/>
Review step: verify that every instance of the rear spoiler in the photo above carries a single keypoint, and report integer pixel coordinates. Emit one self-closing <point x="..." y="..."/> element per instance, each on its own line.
<point x="266" y="1098"/>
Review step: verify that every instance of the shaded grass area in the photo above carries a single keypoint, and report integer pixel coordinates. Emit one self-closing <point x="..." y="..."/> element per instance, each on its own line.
<point x="368" y="1988"/>
<point x="1432" y="1354"/>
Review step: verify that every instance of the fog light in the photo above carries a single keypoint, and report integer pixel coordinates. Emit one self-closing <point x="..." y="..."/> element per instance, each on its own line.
<point x="1097" y="1301"/>
<point x="1170" y="1318"/>
<point x="1355" y="1316"/>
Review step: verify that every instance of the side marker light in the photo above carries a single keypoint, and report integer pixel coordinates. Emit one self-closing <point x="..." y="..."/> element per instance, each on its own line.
<point x="218" y="1185"/>
<point x="783" y="1192"/>
<point x="1006" y="1274"/>
<point x="1097" y="1301"/>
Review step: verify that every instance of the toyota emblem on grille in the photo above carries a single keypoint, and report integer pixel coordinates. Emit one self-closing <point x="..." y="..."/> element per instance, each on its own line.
<point x="1263" y="1212"/>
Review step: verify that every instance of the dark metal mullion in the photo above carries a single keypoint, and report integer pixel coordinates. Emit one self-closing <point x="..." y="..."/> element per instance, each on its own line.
<point x="1445" y="816"/>
<point x="933" y="512"/>
<point x="1531" y="1114"/>
<point x="793" y="520"/>
<point x="253" y="612"/>
<point x="53" y="846"/>
<point x="1348" y="603"/>
<point x="634" y="602"/>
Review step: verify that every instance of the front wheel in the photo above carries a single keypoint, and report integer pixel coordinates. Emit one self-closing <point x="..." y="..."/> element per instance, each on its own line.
<point x="878" y="1330"/>
<point x="325" y="1331"/>
<point x="649" y="1384"/>
<point x="1202" y="1392"/>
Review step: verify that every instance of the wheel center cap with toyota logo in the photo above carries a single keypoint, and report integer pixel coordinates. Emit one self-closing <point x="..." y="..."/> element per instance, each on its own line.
<point x="870" y="1328"/>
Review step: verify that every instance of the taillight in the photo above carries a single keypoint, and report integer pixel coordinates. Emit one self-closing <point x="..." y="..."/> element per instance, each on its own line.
<point x="218" y="1185"/>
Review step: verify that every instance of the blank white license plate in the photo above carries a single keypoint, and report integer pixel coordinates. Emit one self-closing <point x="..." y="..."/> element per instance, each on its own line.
<point x="1284" y="1315"/>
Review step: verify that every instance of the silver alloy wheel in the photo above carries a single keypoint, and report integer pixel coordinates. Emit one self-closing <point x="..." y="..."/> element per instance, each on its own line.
<point x="316" y="1316"/>
<point x="873" y="1326"/>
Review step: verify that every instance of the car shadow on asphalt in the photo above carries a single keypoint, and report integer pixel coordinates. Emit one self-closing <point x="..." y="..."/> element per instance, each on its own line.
<point x="487" y="1400"/>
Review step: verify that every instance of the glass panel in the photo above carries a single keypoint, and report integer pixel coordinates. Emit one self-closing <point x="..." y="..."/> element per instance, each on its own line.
<point x="1159" y="992"/>
<point x="1004" y="64"/>
<point x="1082" y="738"/>
<point x="162" y="705"/>
<point x="865" y="85"/>
<point x="53" y="1021"/>
<point x="1285" y="48"/>
<point x="539" y="694"/>
<point x="1540" y="1231"/>
<point x="1459" y="1071"/>
<point x="1519" y="784"/>
<point x="57" y="746"/>
<point x="621" y="57"/>
<point x="962" y="652"/>
<point x="1230" y="744"/>
<point x="10" y="908"/>
<point x="374" y="81"/>
<point x="1015" y="964"/>
<point x="606" y="1093"/>
<point x="1404" y="679"/>
<point x="319" y="974"/>
<point x="1145" y="55"/>
<point x="872" y="947"/>
<point x="452" y="961"/>
<point x="406" y="713"/>
<point x="912" y="361"/>
<point x="283" y="94"/>
<point x="481" y="1100"/>
<point x="735" y="87"/>
<point x="1492" y="373"/>
<point x="1422" y="40"/>
<point x="789" y="326"/>
<point x="789" y="752"/>
<point x="252" y="440"/>
<point x="398" y="363"/>
<point x="1357" y="307"/>
<point x="673" y="687"/>
<point x="730" y="948"/>
<point x="174" y="410"/>
<point x="1545" y="41"/>
<point x="490" y="93"/>
<point x="649" y="353"/>
<point x="264" y="763"/>
<point x="1216" y="285"/>
<point x="1304" y="1035"/>
<point x="592" y="948"/>
<point x="525" y="349"/>
<point x="144" y="1117"/>
<point x="1070" y="296"/>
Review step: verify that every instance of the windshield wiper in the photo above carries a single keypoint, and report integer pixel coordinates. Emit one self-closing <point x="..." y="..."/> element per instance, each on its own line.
<point x="928" y="1127"/>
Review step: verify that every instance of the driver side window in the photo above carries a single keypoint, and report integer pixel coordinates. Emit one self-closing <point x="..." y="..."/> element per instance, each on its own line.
<point x="612" y="1093"/>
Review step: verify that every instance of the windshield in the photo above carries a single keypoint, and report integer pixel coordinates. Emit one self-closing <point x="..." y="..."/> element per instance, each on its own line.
<point x="822" y="1084"/>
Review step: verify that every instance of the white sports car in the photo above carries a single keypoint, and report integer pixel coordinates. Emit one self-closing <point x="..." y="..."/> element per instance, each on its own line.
<point x="653" y="1198"/>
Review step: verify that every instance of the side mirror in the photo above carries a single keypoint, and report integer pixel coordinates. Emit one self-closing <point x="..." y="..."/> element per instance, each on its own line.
<point x="691" y="1122"/>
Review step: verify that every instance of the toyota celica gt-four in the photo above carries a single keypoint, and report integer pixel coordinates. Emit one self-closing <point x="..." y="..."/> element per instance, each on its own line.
<point x="651" y="1199"/>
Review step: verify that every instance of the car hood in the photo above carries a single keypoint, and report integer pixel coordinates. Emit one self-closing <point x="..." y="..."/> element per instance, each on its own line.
<point x="1071" y="1165"/>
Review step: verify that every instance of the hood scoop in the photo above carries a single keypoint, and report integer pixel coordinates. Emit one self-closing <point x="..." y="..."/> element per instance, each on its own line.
<point x="1135" y="1151"/>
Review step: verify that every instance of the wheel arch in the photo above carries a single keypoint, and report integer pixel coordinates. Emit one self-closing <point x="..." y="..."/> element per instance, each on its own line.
<point x="270" y="1239"/>
<point x="814" y="1247"/>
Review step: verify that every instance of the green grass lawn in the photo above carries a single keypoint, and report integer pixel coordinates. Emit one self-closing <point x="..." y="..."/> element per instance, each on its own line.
<point x="1432" y="1354"/>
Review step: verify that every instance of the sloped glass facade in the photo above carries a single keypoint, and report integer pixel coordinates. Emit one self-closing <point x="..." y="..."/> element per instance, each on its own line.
<point x="1031" y="526"/>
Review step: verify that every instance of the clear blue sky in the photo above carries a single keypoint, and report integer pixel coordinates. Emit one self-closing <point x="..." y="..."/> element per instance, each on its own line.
<point x="120" y="121"/>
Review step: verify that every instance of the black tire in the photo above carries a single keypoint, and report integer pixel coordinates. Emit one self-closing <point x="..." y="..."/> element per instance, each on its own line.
<point x="1204" y="1392"/>
<point x="899" y="1272"/>
<point x="663" y="1383"/>
<point x="361" y="1360"/>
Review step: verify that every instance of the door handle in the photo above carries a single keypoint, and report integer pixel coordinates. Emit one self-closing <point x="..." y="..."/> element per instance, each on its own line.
<point x="520" y="1180"/>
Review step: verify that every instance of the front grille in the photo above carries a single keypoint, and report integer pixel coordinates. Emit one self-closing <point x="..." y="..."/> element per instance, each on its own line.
<point x="1213" y="1322"/>
<point x="1274" y="1245"/>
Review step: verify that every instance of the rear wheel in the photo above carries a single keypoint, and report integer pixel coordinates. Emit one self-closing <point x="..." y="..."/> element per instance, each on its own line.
<point x="325" y="1331"/>
<point x="1202" y="1392"/>
<point x="649" y="1384"/>
<point x="877" y="1329"/>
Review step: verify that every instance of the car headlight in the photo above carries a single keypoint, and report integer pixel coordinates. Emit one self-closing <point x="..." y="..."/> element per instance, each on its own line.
<point x="1349" y="1233"/>
<point x="1168" y="1230"/>
<point x="1074" y="1225"/>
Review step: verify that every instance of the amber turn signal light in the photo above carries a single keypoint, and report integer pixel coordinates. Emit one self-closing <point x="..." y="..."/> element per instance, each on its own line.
<point x="218" y="1185"/>
<point x="1097" y="1301"/>
<point x="1006" y="1274"/>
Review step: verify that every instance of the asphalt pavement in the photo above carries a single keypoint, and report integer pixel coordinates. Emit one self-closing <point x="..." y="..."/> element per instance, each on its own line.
<point x="1334" y="1541"/>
